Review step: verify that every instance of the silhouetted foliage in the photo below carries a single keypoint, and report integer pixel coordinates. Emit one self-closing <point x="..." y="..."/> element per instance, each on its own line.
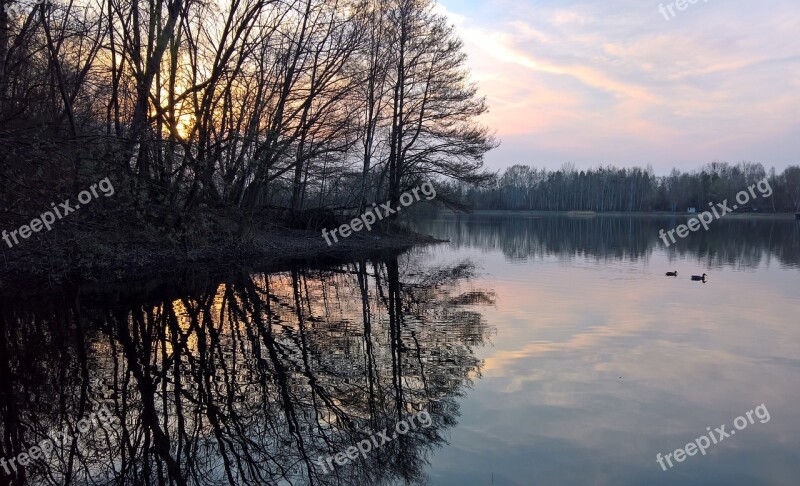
<point x="212" y="117"/>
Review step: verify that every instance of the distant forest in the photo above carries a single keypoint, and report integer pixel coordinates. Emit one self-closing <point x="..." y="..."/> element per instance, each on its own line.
<point x="522" y="187"/>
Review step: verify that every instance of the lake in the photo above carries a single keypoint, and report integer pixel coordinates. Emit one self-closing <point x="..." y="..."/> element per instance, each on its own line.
<point x="530" y="349"/>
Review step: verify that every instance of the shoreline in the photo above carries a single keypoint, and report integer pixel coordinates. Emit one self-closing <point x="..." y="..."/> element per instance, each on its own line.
<point x="274" y="250"/>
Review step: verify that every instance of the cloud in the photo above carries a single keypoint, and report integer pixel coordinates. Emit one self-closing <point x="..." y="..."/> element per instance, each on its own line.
<point x="596" y="82"/>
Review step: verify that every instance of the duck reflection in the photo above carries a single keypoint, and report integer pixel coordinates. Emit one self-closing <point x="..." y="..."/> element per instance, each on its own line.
<point x="245" y="382"/>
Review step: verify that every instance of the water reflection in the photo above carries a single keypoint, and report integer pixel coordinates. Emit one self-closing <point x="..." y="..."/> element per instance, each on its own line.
<point x="739" y="241"/>
<point x="601" y="361"/>
<point x="249" y="381"/>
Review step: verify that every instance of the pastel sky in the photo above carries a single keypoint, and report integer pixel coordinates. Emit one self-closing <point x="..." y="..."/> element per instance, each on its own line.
<point x="614" y="82"/>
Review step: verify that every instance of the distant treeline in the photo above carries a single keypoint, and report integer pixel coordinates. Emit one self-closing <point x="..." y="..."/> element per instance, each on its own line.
<point x="522" y="187"/>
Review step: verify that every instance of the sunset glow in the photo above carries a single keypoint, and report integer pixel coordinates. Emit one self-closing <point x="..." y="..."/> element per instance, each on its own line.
<point x="616" y="83"/>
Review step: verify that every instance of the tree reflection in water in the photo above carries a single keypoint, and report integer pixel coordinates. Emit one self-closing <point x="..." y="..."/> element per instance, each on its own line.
<point x="246" y="382"/>
<point x="739" y="241"/>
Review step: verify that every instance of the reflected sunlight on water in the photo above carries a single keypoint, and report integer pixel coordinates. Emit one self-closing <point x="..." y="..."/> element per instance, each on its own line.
<point x="547" y="349"/>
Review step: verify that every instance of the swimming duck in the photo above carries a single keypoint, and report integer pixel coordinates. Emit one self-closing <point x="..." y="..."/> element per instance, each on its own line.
<point x="697" y="277"/>
<point x="672" y="274"/>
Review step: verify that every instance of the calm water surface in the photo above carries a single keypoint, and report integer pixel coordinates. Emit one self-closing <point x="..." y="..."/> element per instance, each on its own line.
<point x="599" y="361"/>
<point x="546" y="350"/>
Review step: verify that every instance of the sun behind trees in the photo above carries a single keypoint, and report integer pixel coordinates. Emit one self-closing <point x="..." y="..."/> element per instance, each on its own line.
<point x="214" y="117"/>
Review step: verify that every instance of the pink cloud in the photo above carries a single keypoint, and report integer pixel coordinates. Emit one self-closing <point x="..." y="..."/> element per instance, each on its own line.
<point x="601" y="82"/>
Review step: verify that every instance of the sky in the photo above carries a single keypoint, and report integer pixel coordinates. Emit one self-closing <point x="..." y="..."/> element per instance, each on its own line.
<point x="619" y="82"/>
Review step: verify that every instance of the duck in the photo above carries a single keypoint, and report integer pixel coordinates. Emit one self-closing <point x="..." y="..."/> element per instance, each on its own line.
<point x="698" y="277"/>
<point x="672" y="274"/>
